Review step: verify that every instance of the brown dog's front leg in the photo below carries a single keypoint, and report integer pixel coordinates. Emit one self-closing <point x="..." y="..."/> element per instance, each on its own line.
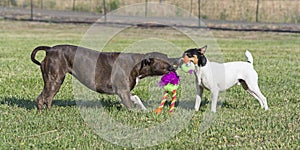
<point x="125" y="97"/>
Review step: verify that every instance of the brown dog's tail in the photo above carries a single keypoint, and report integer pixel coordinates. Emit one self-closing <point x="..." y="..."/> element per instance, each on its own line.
<point x="45" y="48"/>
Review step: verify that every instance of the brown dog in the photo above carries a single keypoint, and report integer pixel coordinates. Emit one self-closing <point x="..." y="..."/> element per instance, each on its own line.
<point x="103" y="72"/>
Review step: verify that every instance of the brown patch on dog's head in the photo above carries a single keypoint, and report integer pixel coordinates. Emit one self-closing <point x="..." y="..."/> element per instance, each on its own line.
<point x="196" y="55"/>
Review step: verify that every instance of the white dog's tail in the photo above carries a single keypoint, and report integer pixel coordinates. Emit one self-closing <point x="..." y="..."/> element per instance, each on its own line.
<point x="249" y="57"/>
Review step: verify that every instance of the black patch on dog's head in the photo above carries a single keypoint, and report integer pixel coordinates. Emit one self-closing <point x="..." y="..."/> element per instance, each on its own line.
<point x="196" y="55"/>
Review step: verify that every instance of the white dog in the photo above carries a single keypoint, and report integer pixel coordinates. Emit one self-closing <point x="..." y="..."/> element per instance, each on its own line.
<point x="218" y="77"/>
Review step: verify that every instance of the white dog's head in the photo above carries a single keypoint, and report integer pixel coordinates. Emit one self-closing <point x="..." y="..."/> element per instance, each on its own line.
<point x="195" y="55"/>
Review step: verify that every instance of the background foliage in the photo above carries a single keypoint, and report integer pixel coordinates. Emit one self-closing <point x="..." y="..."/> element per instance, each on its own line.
<point x="279" y="11"/>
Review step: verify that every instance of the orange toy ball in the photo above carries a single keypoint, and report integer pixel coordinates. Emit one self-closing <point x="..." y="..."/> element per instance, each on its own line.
<point x="186" y="59"/>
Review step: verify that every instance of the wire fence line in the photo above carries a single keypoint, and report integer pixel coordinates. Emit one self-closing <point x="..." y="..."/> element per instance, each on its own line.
<point x="266" y="11"/>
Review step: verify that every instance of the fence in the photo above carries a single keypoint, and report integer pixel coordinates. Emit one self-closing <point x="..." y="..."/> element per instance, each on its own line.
<point x="275" y="11"/>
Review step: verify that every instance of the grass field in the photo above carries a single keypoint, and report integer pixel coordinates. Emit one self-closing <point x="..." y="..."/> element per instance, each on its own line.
<point x="240" y="123"/>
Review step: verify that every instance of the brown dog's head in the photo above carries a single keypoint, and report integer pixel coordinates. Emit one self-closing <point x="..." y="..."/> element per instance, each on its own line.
<point x="154" y="67"/>
<point x="175" y="62"/>
<point x="195" y="55"/>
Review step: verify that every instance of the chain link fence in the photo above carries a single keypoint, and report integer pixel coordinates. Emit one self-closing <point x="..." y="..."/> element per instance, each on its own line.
<point x="266" y="11"/>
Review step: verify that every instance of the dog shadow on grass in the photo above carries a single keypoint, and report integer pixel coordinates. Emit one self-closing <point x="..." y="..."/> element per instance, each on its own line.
<point x="108" y="104"/>
<point x="30" y="104"/>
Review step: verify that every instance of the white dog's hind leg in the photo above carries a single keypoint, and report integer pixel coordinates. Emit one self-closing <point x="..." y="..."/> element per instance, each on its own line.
<point x="262" y="98"/>
<point x="137" y="100"/>
<point x="198" y="97"/>
<point x="254" y="90"/>
<point x="255" y="96"/>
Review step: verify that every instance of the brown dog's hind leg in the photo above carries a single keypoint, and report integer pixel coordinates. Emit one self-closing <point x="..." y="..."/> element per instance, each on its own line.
<point x="39" y="102"/>
<point x="53" y="76"/>
<point x="49" y="91"/>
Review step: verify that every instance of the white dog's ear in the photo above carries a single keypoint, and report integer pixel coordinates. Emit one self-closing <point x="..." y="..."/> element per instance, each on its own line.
<point x="202" y="50"/>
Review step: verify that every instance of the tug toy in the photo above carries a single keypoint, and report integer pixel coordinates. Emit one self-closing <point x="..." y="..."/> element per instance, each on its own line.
<point x="170" y="83"/>
<point x="187" y="66"/>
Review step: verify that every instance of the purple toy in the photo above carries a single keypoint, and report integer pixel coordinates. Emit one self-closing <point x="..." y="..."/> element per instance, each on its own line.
<point x="171" y="78"/>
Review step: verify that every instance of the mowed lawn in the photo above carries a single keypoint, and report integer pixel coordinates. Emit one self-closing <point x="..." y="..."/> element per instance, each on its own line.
<point x="239" y="123"/>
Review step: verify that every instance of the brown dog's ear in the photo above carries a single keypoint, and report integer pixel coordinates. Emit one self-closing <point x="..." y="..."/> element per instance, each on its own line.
<point x="146" y="62"/>
<point x="202" y="50"/>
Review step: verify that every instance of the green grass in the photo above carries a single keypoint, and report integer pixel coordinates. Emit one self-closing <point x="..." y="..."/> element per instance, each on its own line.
<point x="240" y="123"/>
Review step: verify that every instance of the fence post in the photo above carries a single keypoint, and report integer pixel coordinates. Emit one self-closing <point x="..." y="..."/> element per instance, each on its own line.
<point x="31" y="10"/>
<point x="257" y="7"/>
<point x="146" y="8"/>
<point x="74" y="1"/>
<point x="42" y="4"/>
<point x="104" y="10"/>
<point x="199" y="14"/>
<point x="191" y="7"/>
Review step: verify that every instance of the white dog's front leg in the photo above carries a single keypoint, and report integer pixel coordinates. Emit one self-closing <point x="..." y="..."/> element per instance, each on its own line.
<point x="137" y="100"/>
<point x="198" y="97"/>
<point x="214" y="100"/>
